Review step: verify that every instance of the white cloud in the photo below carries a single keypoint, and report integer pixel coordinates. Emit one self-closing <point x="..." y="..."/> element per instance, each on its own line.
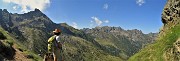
<point x="28" y="5"/>
<point x="106" y="21"/>
<point x="74" y="24"/>
<point x="140" y="2"/>
<point x="106" y="6"/>
<point x="15" y="7"/>
<point x="98" y="22"/>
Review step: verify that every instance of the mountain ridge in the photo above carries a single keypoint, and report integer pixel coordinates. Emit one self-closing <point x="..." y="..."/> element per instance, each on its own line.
<point x="33" y="29"/>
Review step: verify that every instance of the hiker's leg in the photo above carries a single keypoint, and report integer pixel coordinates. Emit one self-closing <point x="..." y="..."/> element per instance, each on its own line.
<point x="61" y="54"/>
<point x="57" y="52"/>
<point x="44" y="58"/>
<point x="55" y="57"/>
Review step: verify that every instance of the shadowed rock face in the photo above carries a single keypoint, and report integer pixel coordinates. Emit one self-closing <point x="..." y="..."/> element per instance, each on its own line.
<point x="6" y="50"/>
<point x="2" y="37"/>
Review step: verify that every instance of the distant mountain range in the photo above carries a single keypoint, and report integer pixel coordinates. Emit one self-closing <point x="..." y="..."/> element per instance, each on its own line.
<point x="32" y="30"/>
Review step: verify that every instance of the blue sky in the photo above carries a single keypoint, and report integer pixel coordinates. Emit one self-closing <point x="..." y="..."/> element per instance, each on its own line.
<point x="144" y="15"/>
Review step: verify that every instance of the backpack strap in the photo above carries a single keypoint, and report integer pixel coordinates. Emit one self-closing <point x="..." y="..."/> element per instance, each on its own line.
<point x="51" y="39"/>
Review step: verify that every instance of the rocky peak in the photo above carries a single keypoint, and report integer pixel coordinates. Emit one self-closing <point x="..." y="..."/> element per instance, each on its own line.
<point x="135" y="31"/>
<point x="107" y="29"/>
<point x="35" y="13"/>
<point x="0" y="10"/>
<point x="64" y="24"/>
<point x="4" y="15"/>
<point x="171" y="12"/>
<point x="37" y="10"/>
<point x="5" y="10"/>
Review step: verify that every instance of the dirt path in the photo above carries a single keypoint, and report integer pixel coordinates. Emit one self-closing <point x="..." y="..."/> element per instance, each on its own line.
<point x="19" y="55"/>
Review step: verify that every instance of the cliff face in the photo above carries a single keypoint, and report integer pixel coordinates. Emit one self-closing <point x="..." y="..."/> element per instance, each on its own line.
<point x="170" y="15"/>
<point x="167" y="47"/>
<point x="171" y="20"/>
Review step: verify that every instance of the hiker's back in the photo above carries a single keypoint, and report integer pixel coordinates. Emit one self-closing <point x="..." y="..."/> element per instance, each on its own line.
<point x="51" y="44"/>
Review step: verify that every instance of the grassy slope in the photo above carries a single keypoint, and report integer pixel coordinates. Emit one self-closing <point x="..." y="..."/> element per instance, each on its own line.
<point x="154" y="52"/>
<point x="11" y="40"/>
<point x="87" y="51"/>
<point x="80" y="47"/>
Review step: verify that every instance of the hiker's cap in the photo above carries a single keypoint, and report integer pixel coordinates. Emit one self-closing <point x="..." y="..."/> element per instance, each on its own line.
<point x="57" y="31"/>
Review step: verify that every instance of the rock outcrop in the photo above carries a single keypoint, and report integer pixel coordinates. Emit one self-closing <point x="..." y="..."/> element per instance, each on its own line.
<point x="171" y="13"/>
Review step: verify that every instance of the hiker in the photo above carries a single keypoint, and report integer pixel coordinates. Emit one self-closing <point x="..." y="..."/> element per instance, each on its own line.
<point x="54" y="45"/>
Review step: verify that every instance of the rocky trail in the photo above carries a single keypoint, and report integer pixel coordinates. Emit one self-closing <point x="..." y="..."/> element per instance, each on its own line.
<point x="19" y="55"/>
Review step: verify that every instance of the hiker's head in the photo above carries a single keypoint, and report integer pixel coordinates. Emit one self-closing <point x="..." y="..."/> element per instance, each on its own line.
<point x="57" y="32"/>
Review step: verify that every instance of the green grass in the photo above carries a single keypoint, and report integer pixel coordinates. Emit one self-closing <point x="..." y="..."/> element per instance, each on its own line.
<point x="35" y="56"/>
<point x="155" y="52"/>
<point x="12" y="41"/>
<point x="88" y="51"/>
<point x="106" y="42"/>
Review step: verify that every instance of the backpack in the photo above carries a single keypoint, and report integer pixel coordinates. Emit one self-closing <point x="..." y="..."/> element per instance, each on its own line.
<point x="52" y="43"/>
